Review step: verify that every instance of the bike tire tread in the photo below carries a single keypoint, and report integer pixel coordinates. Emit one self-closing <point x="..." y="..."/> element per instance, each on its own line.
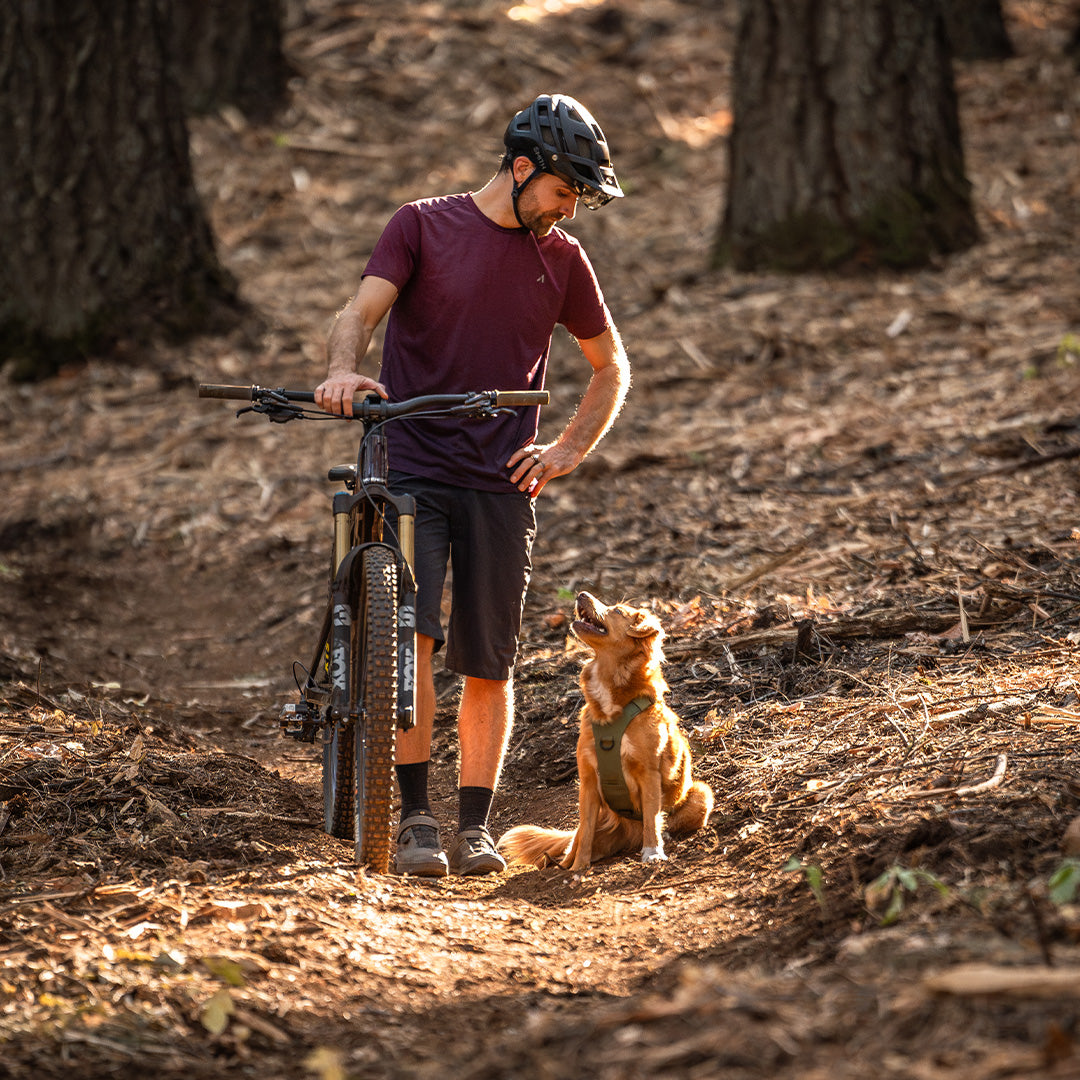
<point x="375" y="632"/>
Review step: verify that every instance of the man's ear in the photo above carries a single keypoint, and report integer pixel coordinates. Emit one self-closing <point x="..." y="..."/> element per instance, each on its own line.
<point x="522" y="168"/>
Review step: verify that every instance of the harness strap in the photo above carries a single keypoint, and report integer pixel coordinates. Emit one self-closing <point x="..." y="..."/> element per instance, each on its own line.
<point x="608" y="739"/>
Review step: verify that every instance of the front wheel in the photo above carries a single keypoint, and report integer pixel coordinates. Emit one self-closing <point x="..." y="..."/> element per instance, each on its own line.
<point x="374" y="669"/>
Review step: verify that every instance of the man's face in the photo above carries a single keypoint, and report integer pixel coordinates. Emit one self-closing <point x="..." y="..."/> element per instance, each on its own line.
<point x="546" y="201"/>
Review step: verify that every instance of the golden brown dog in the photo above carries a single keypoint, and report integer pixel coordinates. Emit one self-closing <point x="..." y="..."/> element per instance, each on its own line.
<point x="655" y="756"/>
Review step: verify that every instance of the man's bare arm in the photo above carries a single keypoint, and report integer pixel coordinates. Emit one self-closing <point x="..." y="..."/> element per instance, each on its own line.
<point x="595" y="414"/>
<point x="348" y="344"/>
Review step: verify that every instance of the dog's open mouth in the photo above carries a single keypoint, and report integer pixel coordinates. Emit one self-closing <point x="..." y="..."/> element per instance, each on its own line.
<point x="589" y="620"/>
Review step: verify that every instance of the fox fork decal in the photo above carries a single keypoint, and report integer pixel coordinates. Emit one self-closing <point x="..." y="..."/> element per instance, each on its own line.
<point x="339" y="652"/>
<point x="406" y="629"/>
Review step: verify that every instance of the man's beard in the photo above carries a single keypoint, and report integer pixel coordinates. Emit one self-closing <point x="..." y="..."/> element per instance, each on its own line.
<point x="537" y="223"/>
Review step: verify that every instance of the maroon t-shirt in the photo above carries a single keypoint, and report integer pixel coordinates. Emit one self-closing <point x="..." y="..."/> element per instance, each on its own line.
<point x="476" y="308"/>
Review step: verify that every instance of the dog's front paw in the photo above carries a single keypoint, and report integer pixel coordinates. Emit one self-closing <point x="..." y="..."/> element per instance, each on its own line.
<point x="653" y="854"/>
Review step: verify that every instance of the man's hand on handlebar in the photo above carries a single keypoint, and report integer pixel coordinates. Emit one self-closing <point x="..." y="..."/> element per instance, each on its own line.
<point x="336" y="392"/>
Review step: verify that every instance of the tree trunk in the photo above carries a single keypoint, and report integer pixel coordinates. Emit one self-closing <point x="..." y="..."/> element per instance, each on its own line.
<point x="845" y="148"/>
<point x="976" y="30"/>
<point x="103" y="232"/>
<point x="228" y="52"/>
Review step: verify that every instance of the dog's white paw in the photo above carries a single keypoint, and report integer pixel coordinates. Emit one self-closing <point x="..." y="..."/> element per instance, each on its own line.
<point x="653" y="854"/>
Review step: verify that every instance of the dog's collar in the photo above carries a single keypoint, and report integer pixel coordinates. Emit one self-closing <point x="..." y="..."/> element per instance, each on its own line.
<point x="608" y="739"/>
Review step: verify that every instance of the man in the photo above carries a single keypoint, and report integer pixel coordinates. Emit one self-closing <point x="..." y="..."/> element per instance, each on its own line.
<point x="474" y="285"/>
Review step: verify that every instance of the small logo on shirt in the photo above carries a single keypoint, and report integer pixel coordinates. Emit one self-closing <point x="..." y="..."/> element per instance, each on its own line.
<point x="541" y="279"/>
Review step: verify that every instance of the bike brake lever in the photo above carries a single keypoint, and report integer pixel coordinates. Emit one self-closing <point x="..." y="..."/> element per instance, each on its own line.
<point x="277" y="408"/>
<point x="477" y="410"/>
<point x="280" y="415"/>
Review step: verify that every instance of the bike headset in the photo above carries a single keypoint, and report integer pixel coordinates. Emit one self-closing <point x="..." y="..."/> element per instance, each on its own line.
<point x="560" y="137"/>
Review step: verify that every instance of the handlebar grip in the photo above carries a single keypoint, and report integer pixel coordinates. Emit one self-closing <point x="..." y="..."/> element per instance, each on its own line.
<point x="521" y="397"/>
<point x="216" y="390"/>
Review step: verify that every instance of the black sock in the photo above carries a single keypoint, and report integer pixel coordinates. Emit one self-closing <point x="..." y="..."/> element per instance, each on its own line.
<point x="413" y="785"/>
<point x="474" y="804"/>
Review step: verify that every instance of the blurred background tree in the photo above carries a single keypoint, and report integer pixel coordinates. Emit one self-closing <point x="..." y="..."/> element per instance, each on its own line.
<point x="846" y="142"/>
<point x="976" y="30"/>
<point x="846" y="150"/>
<point x="105" y="238"/>
<point x="228" y="52"/>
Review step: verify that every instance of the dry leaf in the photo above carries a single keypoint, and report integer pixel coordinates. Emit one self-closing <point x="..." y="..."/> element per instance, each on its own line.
<point x="1070" y="840"/>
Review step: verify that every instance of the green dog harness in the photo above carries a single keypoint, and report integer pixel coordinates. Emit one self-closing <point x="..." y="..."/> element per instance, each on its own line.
<point x="608" y="739"/>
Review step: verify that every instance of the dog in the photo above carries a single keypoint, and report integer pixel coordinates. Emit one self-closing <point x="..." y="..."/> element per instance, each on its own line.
<point x="657" y="787"/>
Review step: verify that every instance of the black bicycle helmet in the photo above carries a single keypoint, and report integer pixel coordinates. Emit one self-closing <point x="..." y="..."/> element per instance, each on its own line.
<point x="560" y="136"/>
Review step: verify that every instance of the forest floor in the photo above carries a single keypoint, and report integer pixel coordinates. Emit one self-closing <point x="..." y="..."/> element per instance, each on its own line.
<point x="851" y="499"/>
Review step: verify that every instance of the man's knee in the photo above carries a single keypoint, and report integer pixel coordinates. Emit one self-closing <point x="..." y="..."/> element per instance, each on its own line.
<point x="494" y="686"/>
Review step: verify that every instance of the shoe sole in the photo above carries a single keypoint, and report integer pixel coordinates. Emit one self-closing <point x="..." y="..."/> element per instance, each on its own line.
<point x="427" y="869"/>
<point x="480" y="866"/>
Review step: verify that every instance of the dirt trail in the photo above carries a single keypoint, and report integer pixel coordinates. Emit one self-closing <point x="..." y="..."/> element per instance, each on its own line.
<point x="852" y="501"/>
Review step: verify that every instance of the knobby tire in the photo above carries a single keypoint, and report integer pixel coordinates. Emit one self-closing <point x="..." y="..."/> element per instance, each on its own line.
<point x="374" y="665"/>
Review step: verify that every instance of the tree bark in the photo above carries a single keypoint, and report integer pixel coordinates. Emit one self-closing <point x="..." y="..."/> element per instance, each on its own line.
<point x="976" y="30"/>
<point x="103" y="232"/>
<point x="845" y="148"/>
<point x="228" y="52"/>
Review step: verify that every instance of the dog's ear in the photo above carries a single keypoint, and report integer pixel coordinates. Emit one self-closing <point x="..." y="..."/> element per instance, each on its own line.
<point x="645" y="625"/>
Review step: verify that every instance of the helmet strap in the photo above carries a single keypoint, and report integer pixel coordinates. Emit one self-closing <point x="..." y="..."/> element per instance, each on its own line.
<point x="516" y="191"/>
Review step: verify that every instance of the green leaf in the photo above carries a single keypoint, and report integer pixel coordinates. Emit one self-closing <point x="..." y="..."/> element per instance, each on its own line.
<point x="1064" y="882"/>
<point x="879" y="888"/>
<point x="891" y="885"/>
<point x="896" y="905"/>
<point x="937" y="883"/>
<point x="216" y="1012"/>
<point x="815" y="879"/>
<point x="907" y="878"/>
<point x="228" y="971"/>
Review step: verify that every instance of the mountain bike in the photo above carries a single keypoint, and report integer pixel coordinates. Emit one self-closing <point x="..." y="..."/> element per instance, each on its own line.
<point x="360" y="686"/>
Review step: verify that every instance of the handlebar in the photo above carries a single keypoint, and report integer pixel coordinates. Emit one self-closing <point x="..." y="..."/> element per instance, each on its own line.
<point x="241" y="393"/>
<point x="374" y="408"/>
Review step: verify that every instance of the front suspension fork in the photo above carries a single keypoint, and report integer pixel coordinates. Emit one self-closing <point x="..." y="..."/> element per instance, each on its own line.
<point x="406" y="621"/>
<point x="406" y="614"/>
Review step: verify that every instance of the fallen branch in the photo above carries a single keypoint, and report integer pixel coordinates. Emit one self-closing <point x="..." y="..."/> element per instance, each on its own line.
<point x="964" y="789"/>
<point x="970" y="980"/>
<point x="15" y="901"/>
<point x="1051" y="714"/>
<point x="1012" y="467"/>
<point x="768" y="567"/>
<point x="254" y="814"/>
<point x="21" y="839"/>
<point x="841" y="628"/>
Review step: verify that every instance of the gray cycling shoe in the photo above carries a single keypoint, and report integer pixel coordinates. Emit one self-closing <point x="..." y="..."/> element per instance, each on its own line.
<point x="473" y="852"/>
<point x="419" y="849"/>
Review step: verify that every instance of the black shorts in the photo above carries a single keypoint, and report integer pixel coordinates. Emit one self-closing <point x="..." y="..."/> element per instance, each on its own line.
<point x="486" y="538"/>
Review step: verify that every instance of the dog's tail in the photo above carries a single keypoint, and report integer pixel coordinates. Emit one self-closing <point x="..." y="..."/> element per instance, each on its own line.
<point x="533" y="846"/>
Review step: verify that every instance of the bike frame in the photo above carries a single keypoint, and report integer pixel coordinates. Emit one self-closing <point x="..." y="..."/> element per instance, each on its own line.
<point x="360" y="520"/>
<point x="360" y="685"/>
